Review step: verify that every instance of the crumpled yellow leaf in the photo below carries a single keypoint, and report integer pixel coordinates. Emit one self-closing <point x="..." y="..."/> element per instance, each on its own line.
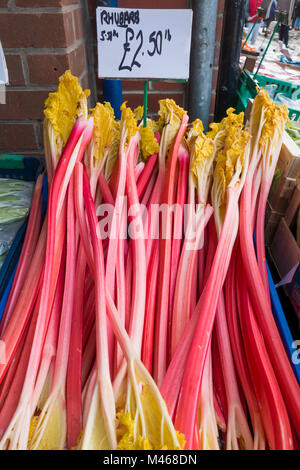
<point x="274" y="117"/>
<point x="230" y="158"/>
<point x="201" y="149"/>
<point x="113" y="151"/>
<point x="170" y="114"/>
<point x="149" y="144"/>
<point x="63" y="106"/>
<point x="104" y="130"/>
<point x="155" y="126"/>
<point x="126" y="435"/>
<point x="128" y="122"/>
<point x="138" y="113"/>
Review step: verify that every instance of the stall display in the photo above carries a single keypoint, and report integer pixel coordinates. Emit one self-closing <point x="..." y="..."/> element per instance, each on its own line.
<point x="122" y="322"/>
<point x="293" y="129"/>
<point x="15" y="201"/>
<point x="17" y="177"/>
<point x="248" y="85"/>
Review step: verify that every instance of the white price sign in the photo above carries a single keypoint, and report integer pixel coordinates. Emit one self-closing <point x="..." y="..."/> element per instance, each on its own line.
<point x="143" y="43"/>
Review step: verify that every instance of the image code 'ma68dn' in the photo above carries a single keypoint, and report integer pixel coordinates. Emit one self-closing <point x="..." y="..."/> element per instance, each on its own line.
<point x="172" y="459"/>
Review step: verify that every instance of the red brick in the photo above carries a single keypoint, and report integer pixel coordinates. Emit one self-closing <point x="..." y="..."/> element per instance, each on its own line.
<point x="36" y="30"/>
<point x="166" y="86"/>
<point x="219" y="28"/>
<point x="155" y="85"/>
<point x="45" y="69"/>
<point x="221" y="6"/>
<point x="133" y="100"/>
<point x="4" y="3"/>
<point x="78" y="23"/>
<point x="15" y="69"/>
<point x="216" y="55"/>
<point x="40" y="128"/>
<point x="212" y="102"/>
<point x="44" y="3"/>
<point x="132" y="85"/>
<point x="152" y="4"/>
<point x="77" y="60"/>
<point x="14" y="136"/>
<point x="26" y="104"/>
<point x="215" y="75"/>
<point x="138" y="85"/>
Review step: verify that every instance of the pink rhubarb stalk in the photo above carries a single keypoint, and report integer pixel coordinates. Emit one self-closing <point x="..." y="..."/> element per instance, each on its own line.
<point x="29" y="246"/>
<point x="183" y="170"/>
<point x="102" y="400"/>
<point x="74" y="150"/>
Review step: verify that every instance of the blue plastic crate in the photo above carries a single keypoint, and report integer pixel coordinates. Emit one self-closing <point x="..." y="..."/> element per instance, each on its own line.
<point x="283" y="326"/>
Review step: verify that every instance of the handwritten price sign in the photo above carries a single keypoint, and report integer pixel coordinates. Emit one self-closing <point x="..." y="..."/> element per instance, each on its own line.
<point x="143" y="43"/>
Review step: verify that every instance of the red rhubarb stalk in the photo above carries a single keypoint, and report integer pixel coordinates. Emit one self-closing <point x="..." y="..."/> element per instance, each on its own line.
<point x="188" y="399"/>
<point x="272" y="406"/>
<point x="161" y="329"/>
<point x="240" y="359"/>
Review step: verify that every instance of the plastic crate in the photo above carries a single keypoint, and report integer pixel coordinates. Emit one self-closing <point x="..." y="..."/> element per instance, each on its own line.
<point x="25" y="168"/>
<point x="283" y="326"/>
<point x="20" y="167"/>
<point x="247" y="89"/>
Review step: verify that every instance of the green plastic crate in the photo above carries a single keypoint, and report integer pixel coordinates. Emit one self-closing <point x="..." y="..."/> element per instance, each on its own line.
<point x="247" y="89"/>
<point x="8" y="161"/>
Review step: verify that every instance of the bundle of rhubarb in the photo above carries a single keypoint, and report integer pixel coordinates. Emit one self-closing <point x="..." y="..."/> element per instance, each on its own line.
<point x="139" y="315"/>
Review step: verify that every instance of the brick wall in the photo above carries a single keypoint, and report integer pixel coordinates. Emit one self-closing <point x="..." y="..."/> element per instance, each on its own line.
<point x="41" y="39"/>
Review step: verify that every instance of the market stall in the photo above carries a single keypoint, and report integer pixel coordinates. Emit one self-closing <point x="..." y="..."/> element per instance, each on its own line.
<point x="149" y="296"/>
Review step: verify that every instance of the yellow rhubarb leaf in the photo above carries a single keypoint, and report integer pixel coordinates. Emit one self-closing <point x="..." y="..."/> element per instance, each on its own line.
<point x="126" y="435"/>
<point x="201" y="149"/>
<point x="230" y="160"/>
<point x="170" y="116"/>
<point x="113" y="151"/>
<point x="64" y="106"/>
<point x="274" y="118"/>
<point x="143" y="417"/>
<point x="138" y="113"/>
<point x="128" y="122"/>
<point x="104" y="130"/>
<point x="97" y="433"/>
<point x="48" y="430"/>
<point x="149" y="144"/>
